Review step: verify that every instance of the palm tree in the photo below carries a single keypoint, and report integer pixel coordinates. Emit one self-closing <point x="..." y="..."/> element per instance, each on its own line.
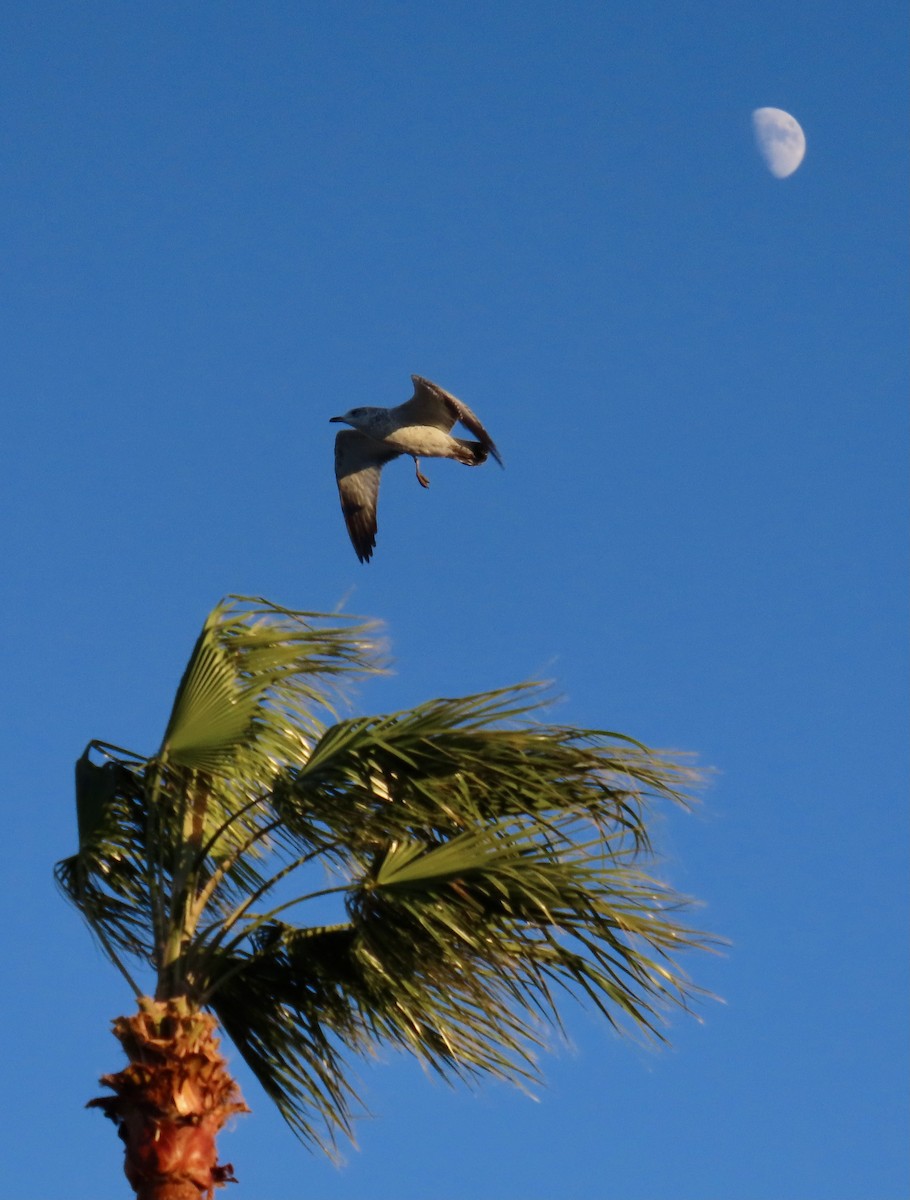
<point x="460" y="864"/>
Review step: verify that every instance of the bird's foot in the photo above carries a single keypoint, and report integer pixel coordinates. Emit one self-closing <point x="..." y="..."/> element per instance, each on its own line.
<point x="421" y="479"/>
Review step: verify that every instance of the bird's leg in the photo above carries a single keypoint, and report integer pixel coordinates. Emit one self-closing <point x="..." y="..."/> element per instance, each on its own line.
<point x="421" y="479"/>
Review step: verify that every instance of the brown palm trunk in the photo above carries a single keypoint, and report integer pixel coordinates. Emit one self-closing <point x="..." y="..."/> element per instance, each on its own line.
<point x="171" y="1100"/>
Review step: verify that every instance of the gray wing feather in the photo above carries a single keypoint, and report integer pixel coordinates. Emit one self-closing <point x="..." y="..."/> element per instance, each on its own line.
<point x="432" y="405"/>
<point x="358" y="464"/>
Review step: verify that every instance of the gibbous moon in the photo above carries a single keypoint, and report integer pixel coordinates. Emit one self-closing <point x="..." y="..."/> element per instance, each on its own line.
<point x="781" y="141"/>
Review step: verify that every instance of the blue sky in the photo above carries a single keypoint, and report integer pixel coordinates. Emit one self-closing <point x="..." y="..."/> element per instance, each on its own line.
<point x="223" y="224"/>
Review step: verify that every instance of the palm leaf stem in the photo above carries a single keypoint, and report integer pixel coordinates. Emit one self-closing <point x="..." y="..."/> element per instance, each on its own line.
<point x="153" y="865"/>
<point x="181" y="922"/>
<point x="220" y="830"/>
<point x="105" y="747"/>
<point x="226" y="864"/>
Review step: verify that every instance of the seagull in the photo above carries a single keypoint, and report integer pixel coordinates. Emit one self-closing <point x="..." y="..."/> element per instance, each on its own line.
<point x="419" y="427"/>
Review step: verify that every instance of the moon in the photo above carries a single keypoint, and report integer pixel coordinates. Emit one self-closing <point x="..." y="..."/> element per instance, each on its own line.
<point x="781" y="141"/>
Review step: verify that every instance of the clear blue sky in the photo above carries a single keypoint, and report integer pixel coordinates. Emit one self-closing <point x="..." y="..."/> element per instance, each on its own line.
<point x="224" y="223"/>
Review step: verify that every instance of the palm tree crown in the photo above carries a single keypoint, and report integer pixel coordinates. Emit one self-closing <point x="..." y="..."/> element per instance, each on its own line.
<point x="474" y="861"/>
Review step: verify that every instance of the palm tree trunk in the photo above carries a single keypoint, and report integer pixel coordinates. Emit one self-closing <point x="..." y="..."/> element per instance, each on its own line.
<point x="171" y="1100"/>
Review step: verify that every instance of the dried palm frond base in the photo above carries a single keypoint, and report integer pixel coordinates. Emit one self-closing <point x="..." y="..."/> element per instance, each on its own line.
<point x="170" y="1102"/>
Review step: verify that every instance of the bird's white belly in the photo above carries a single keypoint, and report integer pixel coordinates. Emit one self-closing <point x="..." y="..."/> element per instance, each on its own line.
<point x="421" y="440"/>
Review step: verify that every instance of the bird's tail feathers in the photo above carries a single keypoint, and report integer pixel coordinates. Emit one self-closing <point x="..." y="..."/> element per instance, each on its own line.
<point x="472" y="454"/>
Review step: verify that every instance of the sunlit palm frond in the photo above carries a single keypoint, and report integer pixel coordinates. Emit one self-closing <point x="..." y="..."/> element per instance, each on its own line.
<point x="525" y="913"/>
<point x="485" y="863"/>
<point x="156" y="832"/>
<point x="256" y="683"/>
<point x="440" y="768"/>
<point x="457" y="952"/>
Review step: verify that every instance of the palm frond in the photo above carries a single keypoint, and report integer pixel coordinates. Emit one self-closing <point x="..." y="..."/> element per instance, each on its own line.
<point x="521" y="911"/>
<point x="456" y="952"/>
<point x="254" y="696"/>
<point x="106" y="878"/>
<point x="254" y="686"/>
<point x="284" y="1006"/>
<point x="487" y="863"/>
<point x="441" y="768"/>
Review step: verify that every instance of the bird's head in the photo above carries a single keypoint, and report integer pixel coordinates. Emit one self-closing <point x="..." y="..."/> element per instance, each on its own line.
<point x="359" y="418"/>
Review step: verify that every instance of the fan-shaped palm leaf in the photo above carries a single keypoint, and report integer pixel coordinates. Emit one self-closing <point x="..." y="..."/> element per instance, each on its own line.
<point x="483" y="861"/>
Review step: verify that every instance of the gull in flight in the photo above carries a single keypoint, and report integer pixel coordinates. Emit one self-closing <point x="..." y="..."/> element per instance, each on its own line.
<point x="420" y="427"/>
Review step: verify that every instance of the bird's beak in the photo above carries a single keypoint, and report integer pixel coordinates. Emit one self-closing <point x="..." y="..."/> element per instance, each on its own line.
<point x="331" y="419"/>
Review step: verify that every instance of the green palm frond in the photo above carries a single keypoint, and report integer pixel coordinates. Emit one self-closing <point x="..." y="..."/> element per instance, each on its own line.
<point x="285" y="1009"/>
<point x="252" y="699"/>
<point x="106" y="878"/>
<point x="257" y="680"/>
<point x="525" y="913"/>
<point x="484" y="864"/>
<point x="449" y="763"/>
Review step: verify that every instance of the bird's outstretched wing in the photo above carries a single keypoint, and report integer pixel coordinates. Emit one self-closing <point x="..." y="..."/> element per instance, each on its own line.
<point x="358" y="464"/>
<point x="432" y="405"/>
